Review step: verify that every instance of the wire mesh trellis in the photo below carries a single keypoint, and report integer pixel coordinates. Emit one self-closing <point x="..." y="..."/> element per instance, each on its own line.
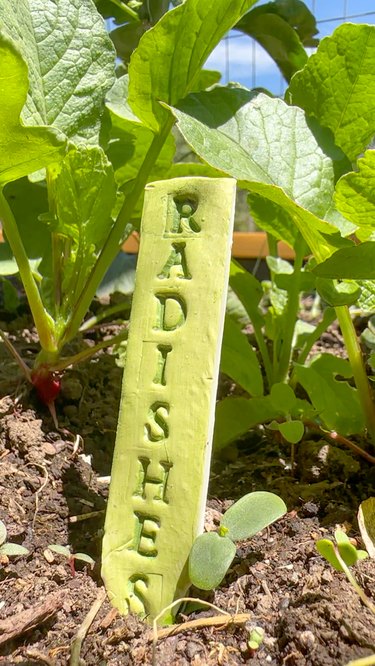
<point x="242" y="59"/>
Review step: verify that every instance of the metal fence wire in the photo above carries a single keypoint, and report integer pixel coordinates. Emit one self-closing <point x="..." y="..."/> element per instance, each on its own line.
<point x="242" y="59"/>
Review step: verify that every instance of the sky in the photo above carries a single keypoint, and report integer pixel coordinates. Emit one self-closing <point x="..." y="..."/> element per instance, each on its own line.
<point x="235" y="57"/>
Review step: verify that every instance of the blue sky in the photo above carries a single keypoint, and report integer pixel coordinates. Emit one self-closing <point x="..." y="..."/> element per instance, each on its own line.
<point x="241" y="49"/>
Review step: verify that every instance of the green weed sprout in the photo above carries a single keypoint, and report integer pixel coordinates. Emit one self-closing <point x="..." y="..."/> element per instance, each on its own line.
<point x="341" y="554"/>
<point x="8" y="549"/>
<point x="72" y="557"/>
<point x="213" y="552"/>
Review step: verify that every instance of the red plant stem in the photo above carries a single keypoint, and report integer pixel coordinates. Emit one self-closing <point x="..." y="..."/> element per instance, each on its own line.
<point x="333" y="437"/>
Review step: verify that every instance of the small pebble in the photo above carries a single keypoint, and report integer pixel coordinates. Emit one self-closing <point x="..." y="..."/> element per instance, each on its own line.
<point x="306" y="639"/>
<point x="48" y="555"/>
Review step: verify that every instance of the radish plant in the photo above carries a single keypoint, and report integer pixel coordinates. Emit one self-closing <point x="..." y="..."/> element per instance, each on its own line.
<point x="295" y="157"/>
<point x="72" y="174"/>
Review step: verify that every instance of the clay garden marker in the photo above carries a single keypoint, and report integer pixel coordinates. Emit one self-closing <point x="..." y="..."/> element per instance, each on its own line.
<point x="162" y="454"/>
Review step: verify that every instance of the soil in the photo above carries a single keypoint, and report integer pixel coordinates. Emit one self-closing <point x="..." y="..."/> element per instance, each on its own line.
<point x="54" y="485"/>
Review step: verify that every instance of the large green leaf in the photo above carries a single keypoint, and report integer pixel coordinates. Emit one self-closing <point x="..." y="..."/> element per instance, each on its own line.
<point x="270" y="148"/>
<point x="85" y="194"/>
<point x="337" y="86"/>
<point x="335" y="400"/>
<point x="70" y="59"/>
<point x="238" y="359"/>
<point x="355" y="195"/>
<point x="168" y="60"/>
<point x="268" y="25"/>
<point x="130" y="140"/>
<point x="22" y="149"/>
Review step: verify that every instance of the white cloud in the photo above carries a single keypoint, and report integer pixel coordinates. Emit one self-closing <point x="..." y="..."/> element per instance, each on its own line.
<point x="241" y="52"/>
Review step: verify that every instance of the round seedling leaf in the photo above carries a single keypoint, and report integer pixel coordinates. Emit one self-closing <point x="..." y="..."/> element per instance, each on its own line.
<point x="210" y="559"/>
<point x="60" y="550"/>
<point x="251" y="514"/>
<point x="84" y="558"/>
<point x="366" y="522"/>
<point x="292" y="431"/>
<point x="283" y="398"/>
<point x="12" y="549"/>
<point x="3" y="532"/>
<point x="326" y="549"/>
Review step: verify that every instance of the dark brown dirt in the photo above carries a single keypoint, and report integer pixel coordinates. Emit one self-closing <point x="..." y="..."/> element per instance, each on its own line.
<point x="310" y="613"/>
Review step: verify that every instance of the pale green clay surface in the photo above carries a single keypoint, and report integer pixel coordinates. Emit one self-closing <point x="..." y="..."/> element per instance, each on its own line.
<point x="163" y="446"/>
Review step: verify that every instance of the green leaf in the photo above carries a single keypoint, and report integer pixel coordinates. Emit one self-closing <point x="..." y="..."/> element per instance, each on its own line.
<point x="269" y="147"/>
<point x="60" y="550"/>
<point x="84" y="558"/>
<point x="248" y="290"/>
<point x="273" y="219"/>
<point x="205" y="79"/>
<point x="258" y="138"/>
<point x="366" y="299"/>
<point x="326" y="549"/>
<point x="3" y="532"/>
<point x="268" y="25"/>
<point x="299" y="18"/>
<point x="251" y="514"/>
<point x="236" y="416"/>
<point x="337" y="293"/>
<point x="366" y="522"/>
<point x="354" y="263"/>
<point x="130" y="142"/>
<point x="85" y="193"/>
<point x="10" y="296"/>
<point x="22" y="149"/>
<point x="236" y="310"/>
<point x="283" y="398"/>
<point x="167" y="63"/>
<point x="347" y="551"/>
<point x="209" y="560"/>
<point x="120" y="276"/>
<point x="13" y="549"/>
<point x="70" y="59"/>
<point x="336" y="402"/>
<point x="336" y="86"/>
<point x="355" y="196"/>
<point x="28" y="201"/>
<point x="292" y="431"/>
<point x="126" y="38"/>
<point x="238" y="359"/>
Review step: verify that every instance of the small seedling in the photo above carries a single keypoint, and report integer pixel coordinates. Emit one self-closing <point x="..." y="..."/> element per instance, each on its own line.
<point x="8" y="549"/>
<point x="213" y="552"/>
<point x="256" y="638"/>
<point x="342" y="554"/>
<point x="72" y="557"/>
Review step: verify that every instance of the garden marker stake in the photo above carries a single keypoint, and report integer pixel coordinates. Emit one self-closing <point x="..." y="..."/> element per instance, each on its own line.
<point x="162" y="455"/>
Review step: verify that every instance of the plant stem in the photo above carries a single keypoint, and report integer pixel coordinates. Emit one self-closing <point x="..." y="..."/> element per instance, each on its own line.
<point x="124" y="306"/>
<point x="329" y="316"/>
<point x="291" y="311"/>
<point x="83" y="355"/>
<point x="43" y="322"/>
<point x="130" y="12"/>
<point x="358" y="367"/>
<point x="121" y="228"/>
<point x="363" y="597"/>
